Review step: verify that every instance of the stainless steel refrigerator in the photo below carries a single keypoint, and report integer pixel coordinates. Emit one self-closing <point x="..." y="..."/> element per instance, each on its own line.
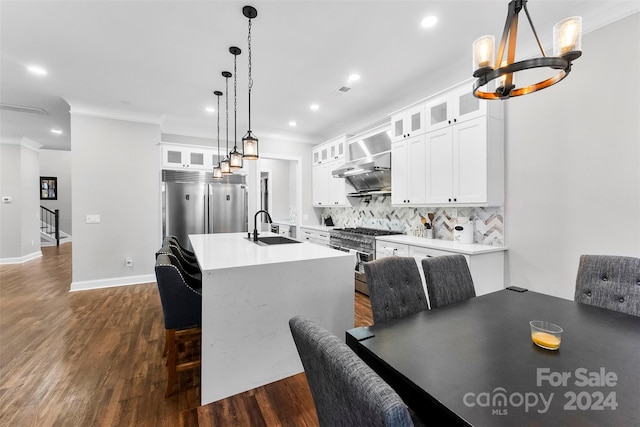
<point x="194" y="203"/>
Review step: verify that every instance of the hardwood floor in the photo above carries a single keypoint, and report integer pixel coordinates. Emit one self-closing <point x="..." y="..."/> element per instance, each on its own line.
<point x="94" y="358"/>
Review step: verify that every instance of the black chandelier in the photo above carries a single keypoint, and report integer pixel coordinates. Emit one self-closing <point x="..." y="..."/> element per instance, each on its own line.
<point x="567" y="45"/>
<point x="250" y="141"/>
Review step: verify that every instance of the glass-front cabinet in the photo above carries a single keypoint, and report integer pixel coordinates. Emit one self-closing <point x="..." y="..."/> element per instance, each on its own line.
<point x="454" y="106"/>
<point x="408" y="123"/>
<point x="177" y="157"/>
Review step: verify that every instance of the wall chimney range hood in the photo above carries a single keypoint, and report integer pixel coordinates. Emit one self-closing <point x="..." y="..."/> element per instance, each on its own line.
<point x="369" y="172"/>
<point x="370" y="176"/>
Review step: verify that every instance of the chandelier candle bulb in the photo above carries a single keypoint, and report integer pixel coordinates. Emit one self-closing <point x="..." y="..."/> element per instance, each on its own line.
<point x="567" y="36"/>
<point x="483" y="52"/>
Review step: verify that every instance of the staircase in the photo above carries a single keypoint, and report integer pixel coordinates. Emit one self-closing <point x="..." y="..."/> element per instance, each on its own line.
<point x="50" y="233"/>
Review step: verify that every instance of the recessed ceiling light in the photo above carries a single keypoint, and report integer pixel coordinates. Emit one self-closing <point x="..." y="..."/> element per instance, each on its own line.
<point x="293" y="123"/>
<point x="354" y="77"/>
<point x="314" y="107"/>
<point x="429" y="21"/>
<point x="56" y="131"/>
<point x="210" y="109"/>
<point x="37" y="70"/>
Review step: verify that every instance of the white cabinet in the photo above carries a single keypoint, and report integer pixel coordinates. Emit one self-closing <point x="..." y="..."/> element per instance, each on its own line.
<point x="318" y="237"/>
<point x="327" y="190"/>
<point x="487" y="269"/>
<point x="465" y="164"/>
<point x="176" y="157"/>
<point x="385" y="249"/>
<point x="408" y="123"/>
<point x="455" y="106"/>
<point x="408" y="171"/>
<point x="485" y="263"/>
<point x="329" y="151"/>
<point x="448" y="150"/>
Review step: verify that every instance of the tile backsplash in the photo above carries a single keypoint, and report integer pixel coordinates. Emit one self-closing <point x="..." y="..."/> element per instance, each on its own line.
<point x="379" y="213"/>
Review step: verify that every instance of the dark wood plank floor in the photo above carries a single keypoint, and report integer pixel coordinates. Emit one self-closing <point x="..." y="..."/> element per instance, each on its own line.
<point x="93" y="358"/>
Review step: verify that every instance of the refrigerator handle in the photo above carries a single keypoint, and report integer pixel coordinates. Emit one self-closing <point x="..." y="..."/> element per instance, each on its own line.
<point x="206" y="213"/>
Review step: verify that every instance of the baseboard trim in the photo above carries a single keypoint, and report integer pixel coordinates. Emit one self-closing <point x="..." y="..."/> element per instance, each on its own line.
<point x="22" y="259"/>
<point x="111" y="283"/>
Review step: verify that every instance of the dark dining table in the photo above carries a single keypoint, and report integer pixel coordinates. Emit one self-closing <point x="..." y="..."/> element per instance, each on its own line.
<point x="473" y="363"/>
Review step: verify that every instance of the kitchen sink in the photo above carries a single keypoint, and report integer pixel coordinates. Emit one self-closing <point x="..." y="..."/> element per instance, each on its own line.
<point x="275" y="240"/>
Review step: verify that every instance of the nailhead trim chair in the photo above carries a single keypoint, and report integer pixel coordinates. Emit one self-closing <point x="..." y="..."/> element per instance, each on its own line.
<point x="185" y="254"/>
<point x="611" y="282"/>
<point x="345" y="390"/>
<point x="190" y="272"/>
<point x="448" y="280"/>
<point x="188" y="255"/>
<point x="395" y="288"/>
<point x="182" y="309"/>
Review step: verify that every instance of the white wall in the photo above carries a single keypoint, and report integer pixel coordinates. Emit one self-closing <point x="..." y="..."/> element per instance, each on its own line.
<point x="279" y="183"/>
<point x="58" y="163"/>
<point x="19" y="220"/>
<point x="115" y="174"/>
<point x="573" y="165"/>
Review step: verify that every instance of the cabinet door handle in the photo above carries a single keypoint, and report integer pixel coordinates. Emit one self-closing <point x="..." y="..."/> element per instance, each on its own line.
<point x="455" y="120"/>
<point x="455" y="200"/>
<point x="449" y="199"/>
<point x="449" y="121"/>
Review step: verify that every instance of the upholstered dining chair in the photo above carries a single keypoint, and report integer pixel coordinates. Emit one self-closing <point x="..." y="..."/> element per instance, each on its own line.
<point x="448" y="279"/>
<point x="182" y="310"/>
<point x="609" y="281"/>
<point x="345" y="390"/>
<point x="395" y="288"/>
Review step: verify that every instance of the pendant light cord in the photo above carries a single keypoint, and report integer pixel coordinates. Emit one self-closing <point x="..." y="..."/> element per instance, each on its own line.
<point x="227" y="102"/>
<point x="235" y="103"/>
<point x="250" y="79"/>
<point x="218" y="153"/>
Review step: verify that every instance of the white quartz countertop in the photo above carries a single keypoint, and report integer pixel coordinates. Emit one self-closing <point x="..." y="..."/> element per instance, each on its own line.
<point x="443" y="245"/>
<point x="230" y="250"/>
<point x="318" y="227"/>
<point x="284" y="222"/>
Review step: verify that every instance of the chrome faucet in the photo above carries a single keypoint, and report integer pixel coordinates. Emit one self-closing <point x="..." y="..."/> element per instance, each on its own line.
<point x="255" y="223"/>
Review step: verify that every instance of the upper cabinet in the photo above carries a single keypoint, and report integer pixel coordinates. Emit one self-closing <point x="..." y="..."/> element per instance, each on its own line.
<point x="458" y="105"/>
<point x="328" y="191"/>
<point x="182" y="157"/>
<point x="459" y="159"/>
<point x="329" y="151"/>
<point x="408" y="123"/>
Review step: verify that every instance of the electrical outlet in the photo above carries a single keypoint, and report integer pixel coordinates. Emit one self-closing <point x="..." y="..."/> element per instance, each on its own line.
<point x="128" y="261"/>
<point x="454" y="213"/>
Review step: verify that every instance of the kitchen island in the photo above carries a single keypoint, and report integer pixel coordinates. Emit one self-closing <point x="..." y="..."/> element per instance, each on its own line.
<point x="249" y="293"/>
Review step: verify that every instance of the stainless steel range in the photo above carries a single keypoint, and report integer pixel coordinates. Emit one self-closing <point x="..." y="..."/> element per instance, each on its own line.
<point x="362" y="243"/>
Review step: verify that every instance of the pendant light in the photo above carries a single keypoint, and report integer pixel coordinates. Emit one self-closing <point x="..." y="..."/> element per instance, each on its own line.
<point x="567" y="45"/>
<point x="217" y="170"/>
<point x="235" y="156"/>
<point x="226" y="170"/>
<point x="249" y="141"/>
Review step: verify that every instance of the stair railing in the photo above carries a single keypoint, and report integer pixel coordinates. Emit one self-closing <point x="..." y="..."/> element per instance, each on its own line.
<point x="50" y="222"/>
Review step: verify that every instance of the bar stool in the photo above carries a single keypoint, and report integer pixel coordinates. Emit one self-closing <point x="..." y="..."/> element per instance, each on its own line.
<point x="182" y="310"/>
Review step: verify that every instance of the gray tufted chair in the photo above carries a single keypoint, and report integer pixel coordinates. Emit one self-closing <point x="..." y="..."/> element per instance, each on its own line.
<point x="395" y="288"/>
<point x="611" y="282"/>
<point x="448" y="279"/>
<point x="345" y="390"/>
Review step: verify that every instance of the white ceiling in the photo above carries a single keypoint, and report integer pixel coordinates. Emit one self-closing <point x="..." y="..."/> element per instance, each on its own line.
<point x="159" y="61"/>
